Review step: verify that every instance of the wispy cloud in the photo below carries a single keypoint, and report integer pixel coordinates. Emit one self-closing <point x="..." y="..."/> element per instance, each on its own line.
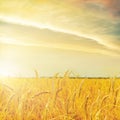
<point x="113" y="6"/>
<point x="16" y="34"/>
<point x="93" y="30"/>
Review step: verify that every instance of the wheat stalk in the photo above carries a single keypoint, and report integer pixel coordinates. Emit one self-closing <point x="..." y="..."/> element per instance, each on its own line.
<point x="80" y="87"/>
<point x="85" y="107"/>
<point x="41" y="93"/>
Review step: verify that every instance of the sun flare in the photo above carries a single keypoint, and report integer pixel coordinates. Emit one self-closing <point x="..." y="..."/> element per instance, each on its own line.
<point x="6" y="70"/>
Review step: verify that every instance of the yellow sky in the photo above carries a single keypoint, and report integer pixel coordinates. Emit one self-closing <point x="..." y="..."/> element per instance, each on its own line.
<point x="55" y="36"/>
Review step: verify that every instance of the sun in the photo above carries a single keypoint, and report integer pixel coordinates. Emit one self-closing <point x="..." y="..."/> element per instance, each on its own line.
<point x="7" y="70"/>
<point x="4" y="72"/>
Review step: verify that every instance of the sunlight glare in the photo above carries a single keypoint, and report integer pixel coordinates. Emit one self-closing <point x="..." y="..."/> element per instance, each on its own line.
<point x="7" y="70"/>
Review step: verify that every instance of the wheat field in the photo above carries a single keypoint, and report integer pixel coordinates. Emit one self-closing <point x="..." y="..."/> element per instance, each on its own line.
<point x="59" y="98"/>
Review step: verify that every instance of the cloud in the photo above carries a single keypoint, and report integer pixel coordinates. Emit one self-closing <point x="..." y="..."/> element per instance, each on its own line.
<point x="112" y="5"/>
<point x="31" y="36"/>
<point x="63" y="18"/>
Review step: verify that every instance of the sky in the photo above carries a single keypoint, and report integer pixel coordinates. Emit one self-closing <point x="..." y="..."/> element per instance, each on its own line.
<point x="53" y="36"/>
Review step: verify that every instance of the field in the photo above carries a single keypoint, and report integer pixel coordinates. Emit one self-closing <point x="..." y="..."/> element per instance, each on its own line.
<point x="59" y="99"/>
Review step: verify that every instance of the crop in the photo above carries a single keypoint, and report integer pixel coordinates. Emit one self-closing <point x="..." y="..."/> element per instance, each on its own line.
<point x="59" y="98"/>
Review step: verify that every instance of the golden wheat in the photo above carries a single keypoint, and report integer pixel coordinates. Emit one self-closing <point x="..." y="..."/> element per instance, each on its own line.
<point x="59" y="98"/>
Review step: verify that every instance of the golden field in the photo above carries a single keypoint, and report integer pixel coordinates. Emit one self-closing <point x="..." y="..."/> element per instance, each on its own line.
<point x="59" y="98"/>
